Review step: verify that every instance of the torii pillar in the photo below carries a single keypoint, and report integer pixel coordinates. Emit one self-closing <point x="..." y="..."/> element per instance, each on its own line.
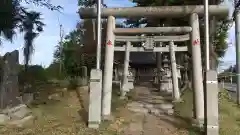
<point x="108" y="69"/>
<point x="197" y="70"/>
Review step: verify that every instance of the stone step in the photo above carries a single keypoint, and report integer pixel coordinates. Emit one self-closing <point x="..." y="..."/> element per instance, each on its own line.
<point x="138" y="109"/>
<point x="135" y="104"/>
<point x="159" y="109"/>
<point x="28" y="120"/>
<point x="18" y="112"/>
<point x="164" y="106"/>
<point x="160" y="112"/>
<point x="14" y="109"/>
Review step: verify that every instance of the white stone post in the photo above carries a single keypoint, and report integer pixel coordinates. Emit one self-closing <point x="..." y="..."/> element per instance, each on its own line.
<point x="95" y="93"/>
<point x="108" y="69"/>
<point x="125" y="87"/>
<point x="197" y="69"/>
<point x="211" y="125"/>
<point x="176" y="94"/>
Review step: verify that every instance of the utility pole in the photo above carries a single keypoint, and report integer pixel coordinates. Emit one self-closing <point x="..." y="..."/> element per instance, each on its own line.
<point x="237" y="40"/>
<point x="61" y="48"/>
<point x="99" y="34"/>
<point x="206" y="34"/>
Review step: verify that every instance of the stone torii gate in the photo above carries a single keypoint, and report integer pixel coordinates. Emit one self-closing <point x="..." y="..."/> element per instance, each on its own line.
<point x="150" y="47"/>
<point x="160" y="12"/>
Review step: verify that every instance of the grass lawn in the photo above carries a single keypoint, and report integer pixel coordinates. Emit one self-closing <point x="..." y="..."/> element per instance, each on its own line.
<point x="229" y="113"/>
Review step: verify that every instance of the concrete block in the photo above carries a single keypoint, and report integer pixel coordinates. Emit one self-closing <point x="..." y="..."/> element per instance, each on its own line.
<point x="95" y="97"/>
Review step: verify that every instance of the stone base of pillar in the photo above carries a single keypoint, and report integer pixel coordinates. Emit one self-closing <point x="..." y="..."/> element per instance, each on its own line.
<point x="130" y="85"/>
<point x="123" y="95"/>
<point x="198" y="123"/>
<point x="93" y="125"/>
<point x="212" y="130"/>
<point x="177" y="101"/>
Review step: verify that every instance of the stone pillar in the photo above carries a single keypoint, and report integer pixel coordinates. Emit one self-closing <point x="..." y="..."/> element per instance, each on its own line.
<point x="197" y="69"/>
<point x="186" y="80"/>
<point x="116" y="74"/>
<point x="108" y="68"/>
<point x="176" y="94"/>
<point x="9" y="91"/>
<point x="125" y="87"/>
<point x="95" y="97"/>
<point x="159" y="65"/>
<point x="211" y="104"/>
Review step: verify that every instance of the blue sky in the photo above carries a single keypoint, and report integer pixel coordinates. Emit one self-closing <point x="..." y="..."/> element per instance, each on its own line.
<point x="46" y="41"/>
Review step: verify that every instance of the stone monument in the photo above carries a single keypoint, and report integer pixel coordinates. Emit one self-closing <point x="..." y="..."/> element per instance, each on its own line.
<point x="12" y="112"/>
<point x="9" y="80"/>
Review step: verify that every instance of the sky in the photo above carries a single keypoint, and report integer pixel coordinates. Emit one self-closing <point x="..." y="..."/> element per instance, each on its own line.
<point x="45" y="43"/>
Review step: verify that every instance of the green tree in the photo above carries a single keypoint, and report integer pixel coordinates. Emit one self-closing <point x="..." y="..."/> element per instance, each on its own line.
<point x="31" y="26"/>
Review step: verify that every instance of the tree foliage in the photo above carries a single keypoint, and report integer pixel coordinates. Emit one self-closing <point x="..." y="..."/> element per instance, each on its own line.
<point x="70" y="54"/>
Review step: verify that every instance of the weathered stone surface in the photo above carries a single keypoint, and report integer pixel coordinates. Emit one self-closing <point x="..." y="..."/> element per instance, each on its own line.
<point x="148" y="106"/>
<point x="138" y="109"/>
<point x="156" y="112"/>
<point x="165" y="106"/>
<point x="9" y="80"/>
<point x="28" y="120"/>
<point x="18" y="112"/>
<point x="4" y="119"/>
<point x="133" y="104"/>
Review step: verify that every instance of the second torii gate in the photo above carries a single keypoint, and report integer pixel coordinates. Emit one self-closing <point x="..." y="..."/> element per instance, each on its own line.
<point x="149" y="47"/>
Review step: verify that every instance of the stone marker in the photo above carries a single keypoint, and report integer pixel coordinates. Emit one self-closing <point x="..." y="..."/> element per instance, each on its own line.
<point x="211" y="104"/>
<point x="95" y="97"/>
<point x="9" y="80"/>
